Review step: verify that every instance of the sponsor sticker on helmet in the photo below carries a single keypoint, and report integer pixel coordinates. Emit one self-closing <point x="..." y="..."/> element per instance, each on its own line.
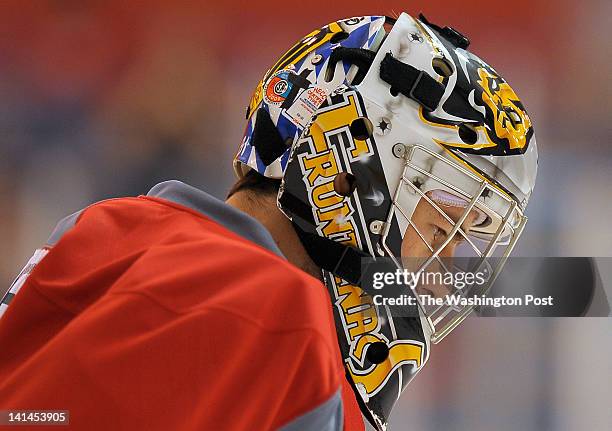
<point x="303" y="110"/>
<point x="278" y="87"/>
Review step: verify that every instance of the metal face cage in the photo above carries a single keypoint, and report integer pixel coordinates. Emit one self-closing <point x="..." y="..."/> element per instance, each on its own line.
<point x="489" y="248"/>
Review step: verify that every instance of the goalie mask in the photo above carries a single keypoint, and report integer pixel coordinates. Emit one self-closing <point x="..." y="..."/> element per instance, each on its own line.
<point x="403" y="113"/>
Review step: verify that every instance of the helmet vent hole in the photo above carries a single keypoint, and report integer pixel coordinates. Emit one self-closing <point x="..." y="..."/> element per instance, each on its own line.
<point x="338" y="37"/>
<point x="361" y="128"/>
<point x="442" y="66"/>
<point x="377" y="352"/>
<point x="468" y="133"/>
<point x="345" y="183"/>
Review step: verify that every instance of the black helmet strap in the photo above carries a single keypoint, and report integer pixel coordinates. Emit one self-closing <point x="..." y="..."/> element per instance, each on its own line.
<point x="411" y="82"/>
<point x="341" y="260"/>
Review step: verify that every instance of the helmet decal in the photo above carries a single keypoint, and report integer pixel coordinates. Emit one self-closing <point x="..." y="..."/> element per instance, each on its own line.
<point x="278" y="87"/>
<point x="512" y="123"/>
<point x="306" y="45"/>
<point x="481" y="107"/>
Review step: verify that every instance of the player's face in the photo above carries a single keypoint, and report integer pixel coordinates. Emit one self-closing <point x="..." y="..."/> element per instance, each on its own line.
<point x="429" y="231"/>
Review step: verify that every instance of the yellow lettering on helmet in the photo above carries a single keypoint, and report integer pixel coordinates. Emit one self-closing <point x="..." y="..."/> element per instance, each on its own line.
<point x="359" y="148"/>
<point x="359" y="312"/>
<point x="337" y="224"/>
<point x="324" y="196"/>
<point x="334" y="217"/>
<point x="322" y="165"/>
<point x="333" y="212"/>
<point x="340" y="115"/>
<point x="400" y="353"/>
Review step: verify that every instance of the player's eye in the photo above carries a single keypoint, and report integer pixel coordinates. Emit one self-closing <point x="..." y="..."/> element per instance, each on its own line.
<point x="440" y="235"/>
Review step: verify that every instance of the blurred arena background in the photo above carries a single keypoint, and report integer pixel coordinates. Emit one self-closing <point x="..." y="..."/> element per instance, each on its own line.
<point x="106" y="98"/>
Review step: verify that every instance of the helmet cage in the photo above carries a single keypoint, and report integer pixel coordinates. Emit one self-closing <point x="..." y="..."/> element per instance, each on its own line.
<point x="442" y="319"/>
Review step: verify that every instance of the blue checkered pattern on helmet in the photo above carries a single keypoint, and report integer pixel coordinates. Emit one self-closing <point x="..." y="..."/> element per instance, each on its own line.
<point x="362" y="32"/>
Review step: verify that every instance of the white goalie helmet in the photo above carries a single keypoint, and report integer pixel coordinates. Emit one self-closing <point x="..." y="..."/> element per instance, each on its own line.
<point x="404" y="111"/>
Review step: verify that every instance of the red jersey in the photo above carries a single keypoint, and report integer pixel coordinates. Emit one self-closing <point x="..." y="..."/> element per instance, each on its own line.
<point x="172" y="311"/>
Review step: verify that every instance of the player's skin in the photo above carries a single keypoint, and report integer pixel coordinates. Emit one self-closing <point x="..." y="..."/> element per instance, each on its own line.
<point x="434" y="228"/>
<point x="428" y="220"/>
